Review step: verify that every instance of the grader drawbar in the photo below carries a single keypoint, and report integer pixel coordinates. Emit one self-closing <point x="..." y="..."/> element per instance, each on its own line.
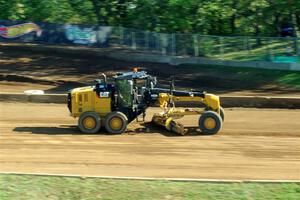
<point x="114" y="104"/>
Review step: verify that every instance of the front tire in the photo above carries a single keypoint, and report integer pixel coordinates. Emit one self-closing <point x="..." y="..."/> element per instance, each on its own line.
<point x="222" y="112"/>
<point x="89" y="122"/>
<point x="210" y="123"/>
<point x="116" y="122"/>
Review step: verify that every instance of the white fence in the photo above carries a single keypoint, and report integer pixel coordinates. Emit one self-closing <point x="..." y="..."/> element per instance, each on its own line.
<point x="214" y="47"/>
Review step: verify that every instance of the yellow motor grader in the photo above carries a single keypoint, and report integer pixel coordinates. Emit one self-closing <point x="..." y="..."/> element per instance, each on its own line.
<point x="114" y="104"/>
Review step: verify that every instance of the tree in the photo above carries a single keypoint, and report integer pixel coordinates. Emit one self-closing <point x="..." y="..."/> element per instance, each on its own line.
<point x="214" y="17"/>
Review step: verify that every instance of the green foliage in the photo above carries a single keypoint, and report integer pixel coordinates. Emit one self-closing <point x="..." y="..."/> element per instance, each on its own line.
<point x="214" y="17"/>
<point x="273" y="77"/>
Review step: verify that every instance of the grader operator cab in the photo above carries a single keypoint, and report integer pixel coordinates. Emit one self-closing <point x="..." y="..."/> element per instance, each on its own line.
<point x="115" y="104"/>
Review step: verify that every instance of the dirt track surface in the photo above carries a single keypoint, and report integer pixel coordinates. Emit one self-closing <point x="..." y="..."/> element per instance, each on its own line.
<point x="254" y="144"/>
<point x="57" y="73"/>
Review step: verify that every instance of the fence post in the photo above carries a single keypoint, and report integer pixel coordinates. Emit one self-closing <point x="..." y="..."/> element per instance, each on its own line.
<point x="269" y="53"/>
<point x="297" y="46"/>
<point x="201" y="45"/>
<point x="146" y="33"/>
<point x="163" y="42"/>
<point x="121" y="35"/>
<point x="133" y="42"/>
<point x="157" y="42"/>
<point x="173" y="37"/>
<point x="221" y="42"/>
<point x="196" y="46"/>
<point x="248" y="47"/>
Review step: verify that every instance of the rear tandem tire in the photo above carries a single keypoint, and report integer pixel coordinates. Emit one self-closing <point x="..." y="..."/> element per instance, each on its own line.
<point x="116" y="122"/>
<point x="210" y="123"/>
<point x="89" y="122"/>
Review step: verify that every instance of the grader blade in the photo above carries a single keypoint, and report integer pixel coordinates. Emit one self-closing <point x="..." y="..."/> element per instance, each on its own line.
<point x="168" y="123"/>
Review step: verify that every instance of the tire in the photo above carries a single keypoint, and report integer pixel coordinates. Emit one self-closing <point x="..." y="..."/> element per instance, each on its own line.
<point x="89" y="122"/>
<point x="117" y="119"/>
<point x="210" y="123"/>
<point x="222" y="112"/>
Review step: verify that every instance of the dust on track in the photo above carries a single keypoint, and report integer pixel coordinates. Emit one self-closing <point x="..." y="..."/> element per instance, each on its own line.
<point x="254" y="144"/>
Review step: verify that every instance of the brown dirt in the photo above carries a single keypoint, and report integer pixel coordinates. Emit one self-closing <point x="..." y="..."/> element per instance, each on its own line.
<point x="254" y="144"/>
<point x="56" y="73"/>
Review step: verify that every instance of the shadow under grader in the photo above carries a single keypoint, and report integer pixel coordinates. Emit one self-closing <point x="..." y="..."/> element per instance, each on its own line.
<point x="146" y="128"/>
<point x="61" y="130"/>
<point x="149" y="128"/>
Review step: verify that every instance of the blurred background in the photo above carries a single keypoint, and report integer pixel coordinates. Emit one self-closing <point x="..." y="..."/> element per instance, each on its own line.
<point x="217" y="29"/>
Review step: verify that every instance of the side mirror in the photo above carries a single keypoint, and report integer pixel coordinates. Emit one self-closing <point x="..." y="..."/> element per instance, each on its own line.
<point x="172" y="83"/>
<point x="154" y="80"/>
<point x="104" y="77"/>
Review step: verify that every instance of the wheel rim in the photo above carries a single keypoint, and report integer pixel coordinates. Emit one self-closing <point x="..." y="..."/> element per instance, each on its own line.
<point x="89" y="123"/>
<point x="116" y="123"/>
<point x="210" y="123"/>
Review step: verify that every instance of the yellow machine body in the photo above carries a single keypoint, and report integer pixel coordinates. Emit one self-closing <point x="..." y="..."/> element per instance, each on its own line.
<point x="114" y="105"/>
<point x="171" y="113"/>
<point x="85" y="99"/>
<point x="210" y="100"/>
